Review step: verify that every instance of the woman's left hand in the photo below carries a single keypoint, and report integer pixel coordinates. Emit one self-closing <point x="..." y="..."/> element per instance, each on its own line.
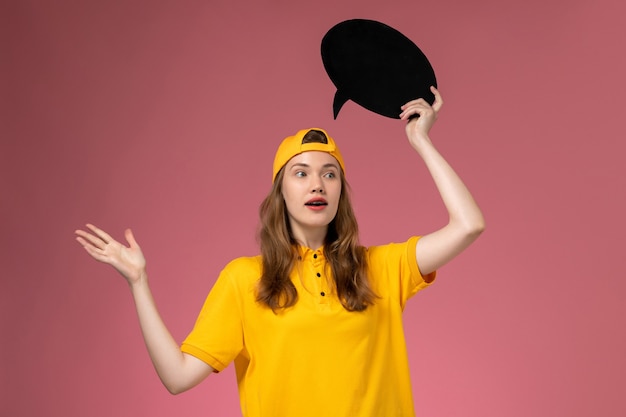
<point x="418" y="127"/>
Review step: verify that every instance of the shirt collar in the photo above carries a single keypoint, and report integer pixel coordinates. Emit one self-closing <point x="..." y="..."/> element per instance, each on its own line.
<point x="308" y="254"/>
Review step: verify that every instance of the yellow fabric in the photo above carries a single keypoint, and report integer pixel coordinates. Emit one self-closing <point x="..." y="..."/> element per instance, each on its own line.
<point x="292" y="146"/>
<point x="316" y="358"/>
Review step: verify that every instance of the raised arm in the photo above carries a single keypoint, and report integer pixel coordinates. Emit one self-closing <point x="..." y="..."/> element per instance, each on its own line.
<point x="466" y="220"/>
<point x="178" y="371"/>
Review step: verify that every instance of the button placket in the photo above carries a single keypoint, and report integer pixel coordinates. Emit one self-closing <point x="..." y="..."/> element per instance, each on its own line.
<point x="322" y="286"/>
<point x="318" y="264"/>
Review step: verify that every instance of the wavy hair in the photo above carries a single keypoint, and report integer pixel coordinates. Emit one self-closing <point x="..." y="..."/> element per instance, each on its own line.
<point x="346" y="257"/>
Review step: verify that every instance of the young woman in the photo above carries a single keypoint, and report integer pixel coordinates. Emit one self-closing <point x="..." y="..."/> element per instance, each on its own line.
<point x="313" y="324"/>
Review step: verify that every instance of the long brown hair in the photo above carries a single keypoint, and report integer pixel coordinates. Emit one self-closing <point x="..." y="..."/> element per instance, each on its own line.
<point x="346" y="257"/>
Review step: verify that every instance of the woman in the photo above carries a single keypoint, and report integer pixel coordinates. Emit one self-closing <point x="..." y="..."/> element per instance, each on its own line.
<point x="314" y="323"/>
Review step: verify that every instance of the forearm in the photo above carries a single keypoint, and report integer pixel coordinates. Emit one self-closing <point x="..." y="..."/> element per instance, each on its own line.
<point x="465" y="222"/>
<point x="465" y="215"/>
<point x="463" y="211"/>
<point x="177" y="371"/>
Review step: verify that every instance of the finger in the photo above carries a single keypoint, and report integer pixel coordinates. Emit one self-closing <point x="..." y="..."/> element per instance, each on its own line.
<point x="100" y="233"/>
<point x="130" y="238"/>
<point x="414" y="106"/>
<point x="87" y="239"/>
<point x="93" y="251"/>
<point x="418" y="101"/>
<point x="411" y="112"/>
<point x="82" y="241"/>
<point x="420" y="109"/>
<point x="438" y="100"/>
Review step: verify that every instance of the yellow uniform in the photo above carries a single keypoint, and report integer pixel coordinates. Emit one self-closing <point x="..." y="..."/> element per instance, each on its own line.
<point x="315" y="358"/>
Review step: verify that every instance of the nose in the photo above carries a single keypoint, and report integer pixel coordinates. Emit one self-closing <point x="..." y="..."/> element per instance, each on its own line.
<point x="317" y="185"/>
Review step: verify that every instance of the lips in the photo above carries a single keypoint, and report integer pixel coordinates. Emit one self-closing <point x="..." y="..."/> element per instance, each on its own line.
<point x="316" y="202"/>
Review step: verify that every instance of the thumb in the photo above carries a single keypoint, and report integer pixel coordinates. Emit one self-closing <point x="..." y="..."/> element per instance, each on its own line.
<point x="130" y="238"/>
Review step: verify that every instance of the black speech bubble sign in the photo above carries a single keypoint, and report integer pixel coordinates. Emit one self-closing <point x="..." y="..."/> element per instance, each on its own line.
<point x="375" y="66"/>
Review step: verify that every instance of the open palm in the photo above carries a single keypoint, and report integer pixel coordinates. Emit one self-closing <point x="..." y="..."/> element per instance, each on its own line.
<point x="127" y="260"/>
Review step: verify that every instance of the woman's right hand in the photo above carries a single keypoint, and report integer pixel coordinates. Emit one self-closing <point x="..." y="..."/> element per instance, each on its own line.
<point x="128" y="261"/>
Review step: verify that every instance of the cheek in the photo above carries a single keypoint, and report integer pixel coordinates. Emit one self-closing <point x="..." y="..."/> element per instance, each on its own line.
<point x="337" y="192"/>
<point x="285" y="190"/>
<point x="288" y="193"/>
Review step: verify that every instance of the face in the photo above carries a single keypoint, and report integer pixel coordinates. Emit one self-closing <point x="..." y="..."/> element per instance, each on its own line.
<point x="311" y="188"/>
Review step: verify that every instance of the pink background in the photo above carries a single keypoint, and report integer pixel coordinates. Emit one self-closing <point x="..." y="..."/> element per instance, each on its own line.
<point x="164" y="116"/>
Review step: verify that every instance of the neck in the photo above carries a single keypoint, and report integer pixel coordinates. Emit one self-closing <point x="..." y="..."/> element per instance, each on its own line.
<point x="311" y="238"/>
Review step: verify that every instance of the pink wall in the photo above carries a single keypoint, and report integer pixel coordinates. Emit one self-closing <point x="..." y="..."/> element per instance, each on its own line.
<point x="164" y="116"/>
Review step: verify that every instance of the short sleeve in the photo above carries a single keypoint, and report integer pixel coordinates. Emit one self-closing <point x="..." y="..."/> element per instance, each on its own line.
<point x="394" y="268"/>
<point x="419" y="281"/>
<point x="217" y="336"/>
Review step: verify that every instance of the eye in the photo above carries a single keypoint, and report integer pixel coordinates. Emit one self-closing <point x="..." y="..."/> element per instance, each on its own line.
<point x="300" y="174"/>
<point x="330" y="175"/>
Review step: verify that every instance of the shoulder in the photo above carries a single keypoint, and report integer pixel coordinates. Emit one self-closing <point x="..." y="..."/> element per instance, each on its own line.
<point x="245" y="263"/>
<point x="245" y="266"/>
<point x="392" y="250"/>
<point x="393" y="259"/>
<point x="239" y="276"/>
<point x="395" y="265"/>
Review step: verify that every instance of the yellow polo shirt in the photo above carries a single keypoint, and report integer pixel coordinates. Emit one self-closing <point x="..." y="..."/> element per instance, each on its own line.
<point x="314" y="359"/>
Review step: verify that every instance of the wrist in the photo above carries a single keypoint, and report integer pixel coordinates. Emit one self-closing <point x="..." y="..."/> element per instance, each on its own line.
<point x="420" y="142"/>
<point x="141" y="280"/>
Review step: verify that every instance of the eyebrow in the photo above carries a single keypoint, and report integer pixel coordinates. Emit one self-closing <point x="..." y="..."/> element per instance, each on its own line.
<point x="302" y="164"/>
